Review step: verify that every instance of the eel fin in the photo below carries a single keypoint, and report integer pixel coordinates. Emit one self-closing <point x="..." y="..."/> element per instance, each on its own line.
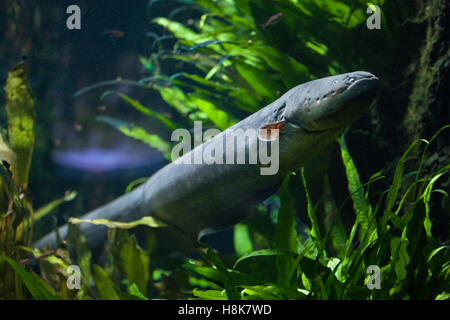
<point x="271" y="131"/>
<point x="234" y="215"/>
<point x="231" y="218"/>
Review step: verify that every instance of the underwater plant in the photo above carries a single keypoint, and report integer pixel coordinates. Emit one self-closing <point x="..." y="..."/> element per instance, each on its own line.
<point x="332" y="264"/>
<point x="17" y="216"/>
<point x="231" y="61"/>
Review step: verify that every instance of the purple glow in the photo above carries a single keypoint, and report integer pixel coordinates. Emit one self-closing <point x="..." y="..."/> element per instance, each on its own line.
<point x="102" y="160"/>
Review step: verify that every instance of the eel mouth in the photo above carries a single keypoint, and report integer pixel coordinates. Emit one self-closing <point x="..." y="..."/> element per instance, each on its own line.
<point x="307" y="131"/>
<point x="339" y="109"/>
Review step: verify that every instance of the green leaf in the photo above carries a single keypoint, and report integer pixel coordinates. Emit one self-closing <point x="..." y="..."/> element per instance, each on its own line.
<point x="37" y="287"/>
<point x="21" y="121"/>
<point x="283" y="63"/>
<point x="222" y="276"/>
<point x="229" y="284"/>
<point x="138" y="106"/>
<point x="106" y="289"/>
<point x="6" y="154"/>
<point x="106" y="83"/>
<point x="144" y="221"/>
<point x="313" y="268"/>
<point x="206" y="272"/>
<point x="397" y="180"/>
<point x="179" y="30"/>
<point x="244" y="100"/>
<point x="135" y="261"/>
<point x="426" y="200"/>
<point x="204" y="44"/>
<point x="263" y="86"/>
<point x="216" y="86"/>
<point x="262" y="292"/>
<point x="399" y="257"/>
<point x="286" y="235"/>
<point x="443" y="296"/>
<point x="220" y="118"/>
<point x="315" y="230"/>
<point x="48" y="208"/>
<point x="422" y="159"/>
<point x="134" y="291"/>
<point x="413" y="232"/>
<point x="135" y="183"/>
<point x="362" y="207"/>
<point x="210" y="294"/>
<point x="320" y="48"/>
<point x="140" y="134"/>
<point x="317" y="275"/>
<point x="264" y="253"/>
<point x="222" y="63"/>
<point x="176" y="98"/>
<point x="242" y="240"/>
<point x="78" y="241"/>
<point x="437" y="253"/>
<point x="349" y="242"/>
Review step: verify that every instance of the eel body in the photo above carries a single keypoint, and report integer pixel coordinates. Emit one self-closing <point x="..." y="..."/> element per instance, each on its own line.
<point x="199" y="199"/>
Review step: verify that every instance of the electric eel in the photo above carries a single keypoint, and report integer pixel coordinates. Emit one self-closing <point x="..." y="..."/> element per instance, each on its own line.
<point x="204" y="197"/>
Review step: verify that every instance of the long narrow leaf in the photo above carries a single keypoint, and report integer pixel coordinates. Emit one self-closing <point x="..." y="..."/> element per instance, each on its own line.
<point x="285" y="235"/>
<point x="315" y="230"/>
<point x="264" y="253"/>
<point x="145" y="221"/>
<point x="362" y="208"/>
<point x="140" y="134"/>
<point x="48" y="208"/>
<point x="138" y="106"/>
<point x="38" y="289"/>
<point x="21" y="121"/>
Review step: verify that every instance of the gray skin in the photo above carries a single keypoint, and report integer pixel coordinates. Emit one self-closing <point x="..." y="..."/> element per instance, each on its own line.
<point x="200" y="199"/>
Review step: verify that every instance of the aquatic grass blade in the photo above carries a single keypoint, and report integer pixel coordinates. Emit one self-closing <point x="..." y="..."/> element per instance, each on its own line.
<point x="229" y="283"/>
<point x="107" y="83"/>
<point x="79" y="243"/>
<point x="135" y="183"/>
<point x="145" y="221"/>
<point x="140" y="134"/>
<point x="264" y="253"/>
<point x="134" y="291"/>
<point x="426" y="199"/>
<point x="134" y="260"/>
<point x="315" y="230"/>
<point x="422" y="159"/>
<point x="138" y="106"/>
<point x="21" y="122"/>
<point x="242" y="239"/>
<point x="106" y="289"/>
<point x="210" y="294"/>
<point x="211" y="274"/>
<point x="285" y="235"/>
<point x="48" y="208"/>
<point x="36" y="286"/>
<point x="361" y="206"/>
<point x="397" y="180"/>
<point x="219" y="117"/>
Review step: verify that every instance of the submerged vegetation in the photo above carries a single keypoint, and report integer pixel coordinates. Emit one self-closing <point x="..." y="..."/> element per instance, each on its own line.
<point x="226" y="62"/>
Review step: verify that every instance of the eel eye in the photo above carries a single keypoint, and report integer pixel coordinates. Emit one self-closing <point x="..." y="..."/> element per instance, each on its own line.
<point x="335" y="82"/>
